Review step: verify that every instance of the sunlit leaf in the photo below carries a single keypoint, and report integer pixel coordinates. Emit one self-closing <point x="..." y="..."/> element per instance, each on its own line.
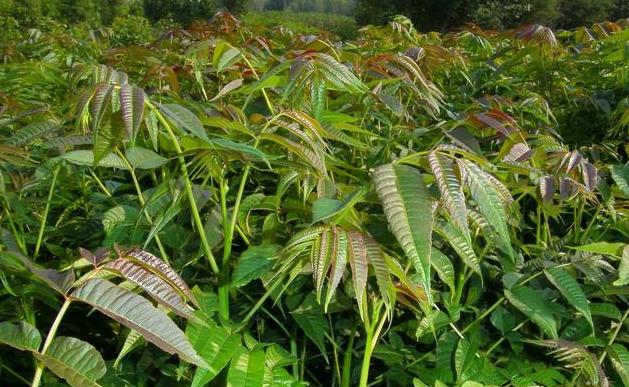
<point x="137" y="313"/>
<point x="22" y="336"/>
<point x="74" y="360"/>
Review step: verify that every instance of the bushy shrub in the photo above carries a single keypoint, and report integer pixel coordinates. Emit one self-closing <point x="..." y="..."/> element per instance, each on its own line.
<point x="182" y="11"/>
<point x="131" y="30"/>
<point x="10" y="29"/>
<point x="584" y="12"/>
<point x="496" y="14"/>
<point x="305" y="22"/>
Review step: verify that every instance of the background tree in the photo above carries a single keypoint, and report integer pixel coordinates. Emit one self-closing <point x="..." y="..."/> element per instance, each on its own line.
<point x="182" y="11"/>
<point x="444" y="15"/>
<point x="575" y="13"/>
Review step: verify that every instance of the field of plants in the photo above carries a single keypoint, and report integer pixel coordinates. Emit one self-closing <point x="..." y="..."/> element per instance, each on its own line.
<point x="233" y="204"/>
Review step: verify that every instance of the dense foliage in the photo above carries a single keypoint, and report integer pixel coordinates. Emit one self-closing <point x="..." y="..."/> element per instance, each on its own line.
<point x="496" y="14"/>
<point x="285" y="209"/>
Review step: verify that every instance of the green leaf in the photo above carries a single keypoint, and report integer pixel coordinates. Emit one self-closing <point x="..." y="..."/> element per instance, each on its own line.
<point x="531" y="302"/>
<point x="134" y="339"/>
<point x="216" y="346"/>
<point x="74" y="360"/>
<point x="323" y="252"/>
<point x="444" y="356"/>
<point x="444" y="268"/>
<point x="247" y="369"/>
<point x="317" y="97"/>
<point x="607" y="248"/>
<point x="137" y="313"/>
<point x="337" y="268"/>
<point x="488" y="197"/>
<point x="86" y="157"/>
<point x="311" y="320"/>
<point x="407" y="206"/>
<point x="619" y="356"/>
<point x="142" y="158"/>
<point x="451" y="191"/>
<point x="156" y="287"/>
<point x="504" y="320"/>
<point x="381" y="270"/>
<point x="620" y="173"/>
<point x="253" y="263"/>
<point x="459" y="243"/>
<point x="132" y="107"/>
<point x="110" y="136"/>
<point x="623" y="269"/>
<point x="22" y="336"/>
<point x="245" y="151"/>
<point x="324" y="208"/>
<point x="224" y="55"/>
<point x="357" y="255"/>
<point x="161" y="268"/>
<point x="606" y="310"/>
<point x="571" y="290"/>
<point x="229" y="87"/>
<point x="184" y="120"/>
<point x="464" y="357"/>
<point x="100" y="102"/>
<point x="33" y="131"/>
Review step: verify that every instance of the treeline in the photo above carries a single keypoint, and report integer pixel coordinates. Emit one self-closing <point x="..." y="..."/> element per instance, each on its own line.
<point x="441" y="15"/>
<point x="103" y="12"/>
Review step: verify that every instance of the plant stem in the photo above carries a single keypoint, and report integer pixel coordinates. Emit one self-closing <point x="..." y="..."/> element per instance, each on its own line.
<point x="229" y="229"/>
<point x="51" y="335"/>
<point x="264" y="94"/>
<point x="18" y="236"/>
<point x="223" y="288"/>
<point x="100" y="183"/>
<point x="484" y="314"/>
<point x="347" y="360"/>
<point x="364" y="370"/>
<point x="335" y="351"/>
<point x="258" y="304"/>
<point x="188" y="185"/>
<point x="614" y="335"/>
<point x="142" y="201"/>
<point x="40" y="236"/>
<point x="293" y="351"/>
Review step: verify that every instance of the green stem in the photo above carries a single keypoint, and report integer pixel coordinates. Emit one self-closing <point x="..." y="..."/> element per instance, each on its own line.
<point x="255" y="74"/>
<point x="614" y="335"/>
<point x="484" y="314"/>
<point x="293" y="351"/>
<point x="502" y="299"/>
<point x="229" y="229"/>
<point x="100" y="184"/>
<point x="577" y="222"/>
<point x="258" y="304"/>
<point x="51" y="335"/>
<point x="142" y="201"/>
<point x="223" y="288"/>
<point x="40" y="236"/>
<point x="17" y="235"/>
<point x="188" y="185"/>
<point x="364" y="371"/>
<point x="268" y="313"/>
<point x="335" y="351"/>
<point x="347" y="360"/>
<point x="503" y="338"/>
